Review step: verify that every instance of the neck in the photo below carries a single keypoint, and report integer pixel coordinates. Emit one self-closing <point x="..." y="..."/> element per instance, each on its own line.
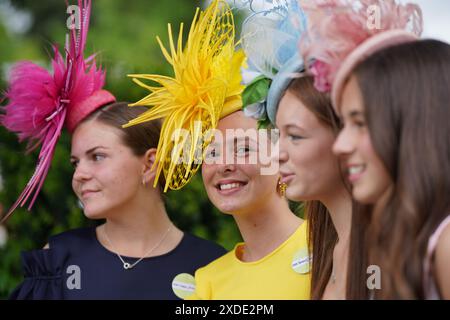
<point x="266" y="227"/>
<point x="138" y="227"/>
<point x="380" y="206"/>
<point x="339" y="205"/>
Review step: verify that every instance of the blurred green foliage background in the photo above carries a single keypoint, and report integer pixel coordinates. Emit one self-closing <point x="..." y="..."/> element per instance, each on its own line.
<point x="123" y="32"/>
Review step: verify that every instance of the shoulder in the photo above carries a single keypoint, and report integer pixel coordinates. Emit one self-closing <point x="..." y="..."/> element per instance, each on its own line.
<point x="75" y="237"/>
<point x="224" y="262"/>
<point x="199" y="246"/>
<point x="204" y="270"/>
<point x="442" y="261"/>
<point x="205" y="276"/>
<point x="210" y="273"/>
<point x="300" y="236"/>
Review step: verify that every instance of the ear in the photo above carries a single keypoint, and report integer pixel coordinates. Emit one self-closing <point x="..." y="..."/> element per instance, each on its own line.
<point x="148" y="175"/>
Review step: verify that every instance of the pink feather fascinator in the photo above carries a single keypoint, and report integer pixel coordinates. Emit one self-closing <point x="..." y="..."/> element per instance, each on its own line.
<point x="342" y="33"/>
<point x="40" y="103"/>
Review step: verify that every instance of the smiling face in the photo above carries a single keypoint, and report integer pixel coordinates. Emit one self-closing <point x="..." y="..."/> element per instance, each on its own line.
<point x="365" y="170"/>
<point x="307" y="164"/>
<point x="233" y="186"/>
<point x="107" y="174"/>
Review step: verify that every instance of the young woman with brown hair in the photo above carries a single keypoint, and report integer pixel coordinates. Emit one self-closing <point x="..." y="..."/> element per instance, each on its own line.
<point x="396" y="143"/>
<point x="391" y="90"/>
<point x="308" y="126"/>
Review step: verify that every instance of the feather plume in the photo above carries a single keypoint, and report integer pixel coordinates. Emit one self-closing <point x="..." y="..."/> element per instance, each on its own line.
<point x="39" y="101"/>
<point x="337" y="27"/>
<point x="205" y="87"/>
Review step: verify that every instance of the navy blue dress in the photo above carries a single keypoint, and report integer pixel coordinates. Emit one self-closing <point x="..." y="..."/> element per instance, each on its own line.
<point x="77" y="266"/>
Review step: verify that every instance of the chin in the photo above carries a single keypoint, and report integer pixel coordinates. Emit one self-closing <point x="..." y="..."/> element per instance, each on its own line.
<point x="362" y="196"/>
<point x="294" y="193"/>
<point x="228" y="208"/>
<point x="94" y="213"/>
<point x="225" y="204"/>
<point x="292" y="196"/>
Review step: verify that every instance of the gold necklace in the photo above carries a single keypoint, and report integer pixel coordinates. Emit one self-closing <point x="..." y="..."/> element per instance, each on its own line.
<point x="127" y="265"/>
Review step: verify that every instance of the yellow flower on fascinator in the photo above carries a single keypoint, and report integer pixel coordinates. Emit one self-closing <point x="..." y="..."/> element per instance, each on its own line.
<point x="206" y="86"/>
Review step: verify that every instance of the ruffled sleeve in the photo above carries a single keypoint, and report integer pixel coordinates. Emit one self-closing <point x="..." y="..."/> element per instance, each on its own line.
<point x="43" y="275"/>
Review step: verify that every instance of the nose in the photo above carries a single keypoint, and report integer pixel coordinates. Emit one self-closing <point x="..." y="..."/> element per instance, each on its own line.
<point x="82" y="172"/>
<point x="226" y="168"/>
<point x="227" y="161"/>
<point x="344" y="144"/>
<point x="280" y="153"/>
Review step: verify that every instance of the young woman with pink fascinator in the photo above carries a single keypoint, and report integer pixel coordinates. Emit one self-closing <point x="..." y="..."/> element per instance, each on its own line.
<point x="137" y="253"/>
<point x="391" y="91"/>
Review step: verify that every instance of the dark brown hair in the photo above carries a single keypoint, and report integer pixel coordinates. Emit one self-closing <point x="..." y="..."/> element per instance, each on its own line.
<point x="139" y="138"/>
<point x="322" y="235"/>
<point x="406" y="94"/>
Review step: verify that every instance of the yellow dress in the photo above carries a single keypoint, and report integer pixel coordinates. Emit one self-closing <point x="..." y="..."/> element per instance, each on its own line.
<point x="284" y="274"/>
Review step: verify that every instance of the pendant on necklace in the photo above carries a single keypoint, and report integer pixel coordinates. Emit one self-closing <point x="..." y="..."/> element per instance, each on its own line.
<point x="126" y="265"/>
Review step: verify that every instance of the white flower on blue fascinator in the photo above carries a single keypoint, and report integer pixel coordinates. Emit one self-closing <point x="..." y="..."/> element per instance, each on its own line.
<point x="270" y="41"/>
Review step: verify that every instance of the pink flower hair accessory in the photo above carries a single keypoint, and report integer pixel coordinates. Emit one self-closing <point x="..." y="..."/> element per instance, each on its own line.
<point x="41" y="103"/>
<point x="342" y="33"/>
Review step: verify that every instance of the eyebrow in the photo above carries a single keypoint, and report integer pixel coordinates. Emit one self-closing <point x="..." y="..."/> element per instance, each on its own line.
<point x="294" y="126"/>
<point x="355" y="113"/>
<point x="91" y="150"/>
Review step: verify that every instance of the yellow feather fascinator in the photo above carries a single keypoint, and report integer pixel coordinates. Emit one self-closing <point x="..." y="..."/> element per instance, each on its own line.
<point x="206" y="86"/>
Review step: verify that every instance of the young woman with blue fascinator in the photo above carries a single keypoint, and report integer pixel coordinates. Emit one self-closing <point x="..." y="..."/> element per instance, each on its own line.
<point x="283" y="95"/>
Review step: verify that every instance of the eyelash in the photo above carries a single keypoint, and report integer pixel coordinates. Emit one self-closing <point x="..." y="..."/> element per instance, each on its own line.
<point x="213" y="153"/>
<point x="295" y="137"/>
<point x="359" y="123"/>
<point x="247" y="149"/>
<point x="95" y="155"/>
<point x="74" y="163"/>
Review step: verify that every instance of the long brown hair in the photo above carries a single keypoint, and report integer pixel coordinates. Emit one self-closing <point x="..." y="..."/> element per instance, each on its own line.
<point x="139" y="138"/>
<point x="322" y="235"/>
<point x="406" y="95"/>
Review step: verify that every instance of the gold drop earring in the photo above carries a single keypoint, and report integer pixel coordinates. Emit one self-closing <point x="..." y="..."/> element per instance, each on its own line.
<point x="281" y="187"/>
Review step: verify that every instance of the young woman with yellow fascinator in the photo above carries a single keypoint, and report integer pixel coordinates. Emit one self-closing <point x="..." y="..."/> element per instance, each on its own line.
<point x="204" y="125"/>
